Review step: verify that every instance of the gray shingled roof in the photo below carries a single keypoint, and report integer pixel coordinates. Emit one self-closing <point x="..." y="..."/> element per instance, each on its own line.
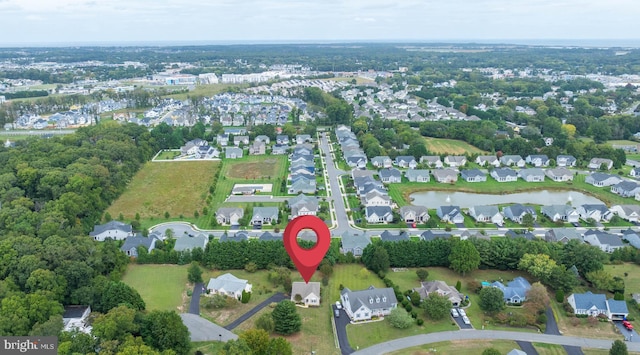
<point x="111" y="226"/>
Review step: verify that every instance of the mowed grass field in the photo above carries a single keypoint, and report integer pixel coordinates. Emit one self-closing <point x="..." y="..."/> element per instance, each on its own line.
<point x="205" y="90"/>
<point x="467" y="347"/>
<point x="450" y="146"/>
<point x="179" y="188"/>
<point x="162" y="287"/>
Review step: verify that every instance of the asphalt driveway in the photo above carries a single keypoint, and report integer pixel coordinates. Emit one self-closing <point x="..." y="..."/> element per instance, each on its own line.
<point x="341" y="329"/>
<point x="194" y="306"/>
<point x="460" y="322"/>
<point x="629" y="335"/>
<point x="275" y="298"/>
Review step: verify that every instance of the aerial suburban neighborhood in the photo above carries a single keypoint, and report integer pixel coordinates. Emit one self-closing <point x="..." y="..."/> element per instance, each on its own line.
<point x="479" y="198"/>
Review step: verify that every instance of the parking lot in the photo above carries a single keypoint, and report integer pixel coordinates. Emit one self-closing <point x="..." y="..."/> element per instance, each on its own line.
<point x="459" y="320"/>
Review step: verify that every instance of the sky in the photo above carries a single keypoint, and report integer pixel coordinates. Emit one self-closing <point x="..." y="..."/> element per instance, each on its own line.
<point x="44" y="22"/>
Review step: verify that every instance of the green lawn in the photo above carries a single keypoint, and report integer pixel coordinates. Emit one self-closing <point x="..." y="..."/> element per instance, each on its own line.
<point x="549" y="349"/>
<point x="351" y="276"/>
<point x="629" y="272"/>
<point x="367" y="334"/>
<point x="450" y="146"/>
<point x="167" y="155"/>
<point x="162" y="287"/>
<point x="466" y="347"/>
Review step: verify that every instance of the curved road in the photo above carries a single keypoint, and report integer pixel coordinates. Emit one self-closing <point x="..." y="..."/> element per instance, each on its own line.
<point x="416" y="340"/>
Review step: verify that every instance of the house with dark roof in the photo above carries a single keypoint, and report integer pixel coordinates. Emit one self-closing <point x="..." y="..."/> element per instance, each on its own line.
<point x="473" y="175"/>
<point x="282" y="139"/>
<point x="190" y="242"/>
<point x="595" y="304"/>
<point x="414" y="214"/>
<point x="114" y="229"/>
<point x="131" y="244"/>
<point x="487" y="214"/>
<point x="378" y="214"/>
<point x="354" y="242"/>
<point x="504" y="175"/>
<point x="228" y="285"/>
<point x="269" y="236"/>
<point x="515" y="291"/>
<point x="279" y="149"/>
<point x="237" y="237"/>
<point x="566" y="161"/>
<point x="632" y="238"/>
<point x="602" y="179"/>
<point x="303" y="185"/>
<point x="76" y="317"/>
<point x="564" y="213"/>
<point x="442" y="289"/>
<point x="563" y="235"/>
<point x="516" y="212"/>
<point x="532" y="175"/>
<point x="559" y="174"/>
<point x="233" y="153"/>
<point x="390" y="175"/>
<point x="387" y="236"/>
<point x="607" y="242"/>
<point x="229" y="215"/>
<point x="364" y="304"/>
<point x="450" y="214"/>
<point x="431" y="235"/>
<point x="308" y="293"/>
<point x="418" y="175"/>
<point x="303" y="205"/>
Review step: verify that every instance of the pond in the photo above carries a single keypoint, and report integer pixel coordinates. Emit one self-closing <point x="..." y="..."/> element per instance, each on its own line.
<point x="433" y="199"/>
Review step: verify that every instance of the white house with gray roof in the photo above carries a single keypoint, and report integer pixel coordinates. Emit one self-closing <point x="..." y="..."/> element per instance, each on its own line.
<point x="229" y="215"/>
<point x="414" y="214"/>
<point x="309" y="293"/>
<point x="600" y="163"/>
<point x="597" y="212"/>
<point x="364" y="304"/>
<point x="233" y="153"/>
<point x="455" y="161"/>
<point x="418" y="175"/>
<point x="432" y="161"/>
<point x="228" y="285"/>
<point x="532" y="175"/>
<point x="563" y="235"/>
<point x="626" y="188"/>
<point x="406" y="161"/>
<point x="602" y="179"/>
<point x="445" y="176"/>
<point x="450" y="214"/>
<point x="375" y="198"/>
<point x="264" y="215"/>
<point x="516" y="212"/>
<point x="564" y="213"/>
<point x="595" y="304"/>
<point x="538" y="161"/>
<point x="488" y="160"/>
<point x="512" y="160"/>
<point x="378" y="214"/>
<point x="113" y="229"/>
<point x="382" y="162"/>
<point x="487" y="214"/>
<point x="504" y="175"/>
<point x="559" y="174"/>
<point x="629" y="213"/>
<point x="607" y="242"/>
<point x="303" y="205"/>
<point x="391" y="175"/>
<point x="566" y="161"/>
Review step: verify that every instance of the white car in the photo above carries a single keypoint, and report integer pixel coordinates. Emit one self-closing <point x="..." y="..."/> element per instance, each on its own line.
<point x="454" y="313"/>
<point x="338" y="305"/>
<point x="462" y="312"/>
<point x="466" y="320"/>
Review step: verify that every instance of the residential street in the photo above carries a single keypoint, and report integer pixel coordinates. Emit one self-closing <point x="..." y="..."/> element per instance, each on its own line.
<point x="403" y="343"/>
<point x="336" y="196"/>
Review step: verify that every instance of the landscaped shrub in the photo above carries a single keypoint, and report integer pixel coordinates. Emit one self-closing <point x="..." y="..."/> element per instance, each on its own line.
<point x="246" y="296"/>
<point x="542" y="319"/>
<point x="404" y="302"/>
<point x="251" y="267"/>
<point x="419" y="321"/>
<point x="408" y="307"/>
<point x="559" y="296"/>
<point x="414" y="314"/>
<point x="618" y="296"/>
<point x="189" y="292"/>
<point x="387" y="282"/>
<point x="458" y="285"/>
<point x="341" y="287"/>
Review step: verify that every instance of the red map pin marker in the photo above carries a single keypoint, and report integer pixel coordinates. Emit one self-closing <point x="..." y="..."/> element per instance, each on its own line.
<point x="306" y="260"/>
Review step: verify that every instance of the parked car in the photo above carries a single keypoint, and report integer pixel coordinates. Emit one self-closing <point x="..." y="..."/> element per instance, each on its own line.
<point x="454" y="313"/>
<point x="338" y="305"/>
<point x="462" y="312"/>
<point x="627" y="324"/>
<point x="337" y="313"/>
<point x="466" y="320"/>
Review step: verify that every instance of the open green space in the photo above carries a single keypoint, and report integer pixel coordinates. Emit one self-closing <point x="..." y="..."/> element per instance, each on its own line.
<point x="162" y="287"/>
<point x="179" y="188"/>
<point x="629" y="272"/>
<point x="367" y="334"/>
<point x="549" y="349"/>
<point x="622" y="142"/>
<point x="167" y="155"/>
<point x="451" y="146"/>
<point x="205" y="90"/>
<point x="400" y="192"/>
<point x="466" y="347"/>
